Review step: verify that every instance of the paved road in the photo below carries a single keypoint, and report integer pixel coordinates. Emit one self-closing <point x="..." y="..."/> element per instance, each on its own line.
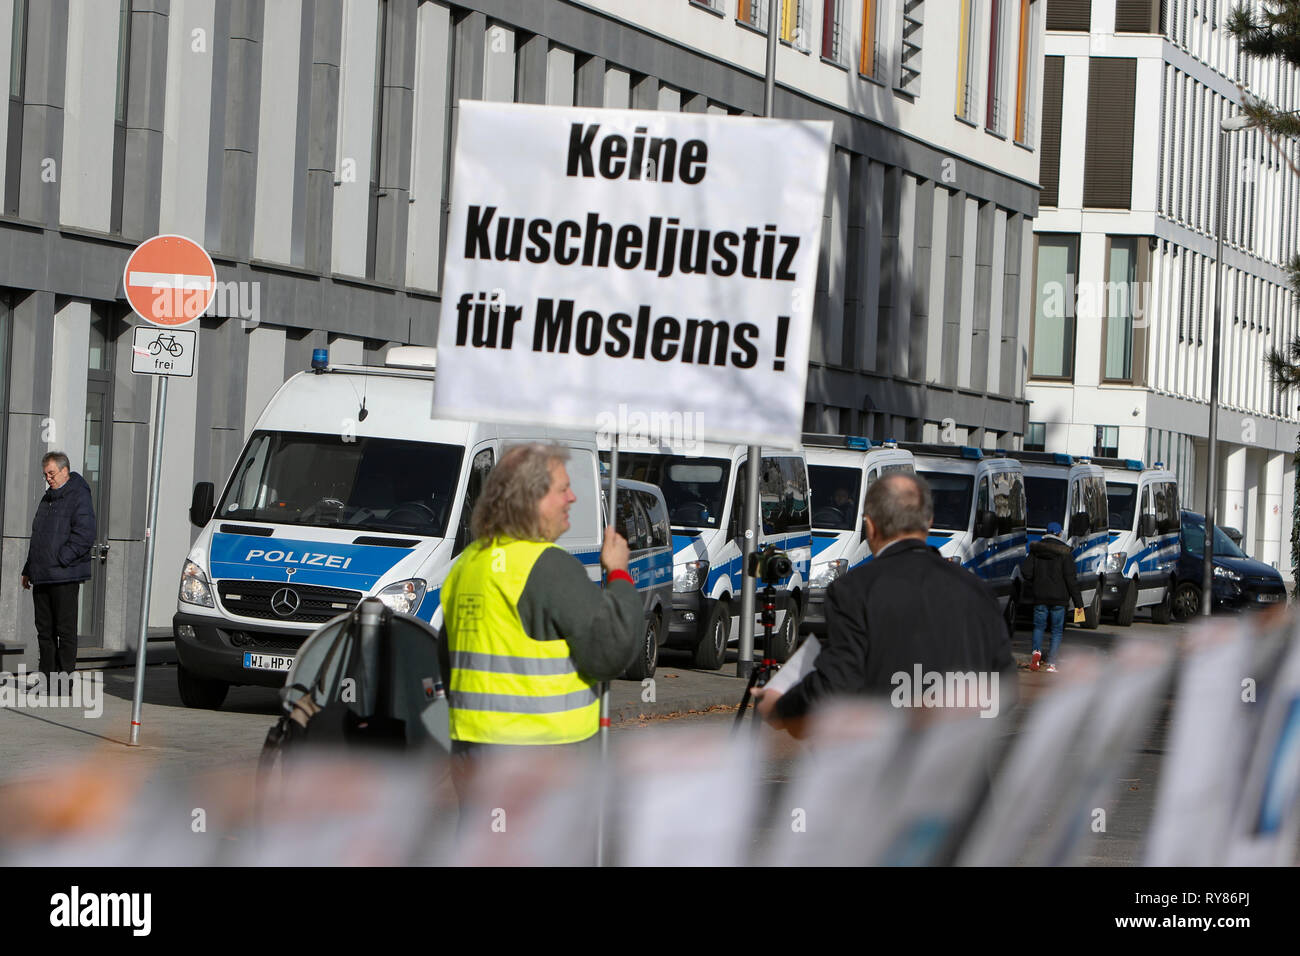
<point x="177" y="741"/>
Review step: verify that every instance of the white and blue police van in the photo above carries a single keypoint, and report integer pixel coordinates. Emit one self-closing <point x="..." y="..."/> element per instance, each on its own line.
<point x="345" y="489"/>
<point x="1072" y="492"/>
<point x="841" y="468"/>
<point x="704" y="485"/>
<point x="1142" y="562"/>
<point x="641" y="516"/>
<point x="979" y="514"/>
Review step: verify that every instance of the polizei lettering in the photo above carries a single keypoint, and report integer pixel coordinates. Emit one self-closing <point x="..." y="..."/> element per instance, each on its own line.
<point x="293" y="557"/>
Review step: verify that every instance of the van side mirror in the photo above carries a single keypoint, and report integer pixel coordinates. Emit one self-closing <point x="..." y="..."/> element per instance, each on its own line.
<point x="202" y="504"/>
<point x="986" y="524"/>
<point x="1079" y="524"/>
<point x="1147" y="526"/>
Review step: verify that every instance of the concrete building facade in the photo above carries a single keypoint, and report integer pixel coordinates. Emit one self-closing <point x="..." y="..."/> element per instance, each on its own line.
<point x="1134" y="94"/>
<point x="307" y="145"/>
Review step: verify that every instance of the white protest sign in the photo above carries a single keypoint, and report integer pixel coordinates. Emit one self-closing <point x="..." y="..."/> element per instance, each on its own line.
<point x="601" y="261"/>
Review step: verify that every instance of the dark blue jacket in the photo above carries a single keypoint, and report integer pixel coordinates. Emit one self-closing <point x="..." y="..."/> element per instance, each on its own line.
<point x="62" y="533"/>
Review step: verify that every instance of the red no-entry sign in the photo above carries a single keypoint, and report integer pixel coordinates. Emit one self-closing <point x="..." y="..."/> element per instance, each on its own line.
<point x="169" y="280"/>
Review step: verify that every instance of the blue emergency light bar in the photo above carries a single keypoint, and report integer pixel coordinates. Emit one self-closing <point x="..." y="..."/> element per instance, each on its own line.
<point x="968" y="452"/>
<point x="320" y="359"/>
<point x="857" y="442"/>
<point x="1133" y="464"/>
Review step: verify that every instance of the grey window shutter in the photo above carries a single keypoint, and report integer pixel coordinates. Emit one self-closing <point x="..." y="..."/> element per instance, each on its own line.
<point x="1069" y="15"/>
<point x="1108" y="154"/>
<point x="1049" y="146"/>
<point x="1137" y="16"/>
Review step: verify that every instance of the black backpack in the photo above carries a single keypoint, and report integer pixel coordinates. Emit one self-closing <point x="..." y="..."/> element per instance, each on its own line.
<point x="370" y="678"/>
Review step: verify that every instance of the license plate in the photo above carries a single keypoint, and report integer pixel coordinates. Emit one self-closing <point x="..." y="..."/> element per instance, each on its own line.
<point x="1268" y="598"/>
<point x="267" y="662"/>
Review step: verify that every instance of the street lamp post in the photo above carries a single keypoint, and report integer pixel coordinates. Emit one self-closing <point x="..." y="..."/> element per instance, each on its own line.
<point x="1229" y="125"/>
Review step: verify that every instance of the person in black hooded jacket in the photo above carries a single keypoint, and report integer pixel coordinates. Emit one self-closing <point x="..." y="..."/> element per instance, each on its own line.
<point x="58" y="560"/>
<point x="1049" y="581"/>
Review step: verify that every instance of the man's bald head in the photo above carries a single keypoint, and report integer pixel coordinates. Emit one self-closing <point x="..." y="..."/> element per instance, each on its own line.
<point x="899" y="505"/>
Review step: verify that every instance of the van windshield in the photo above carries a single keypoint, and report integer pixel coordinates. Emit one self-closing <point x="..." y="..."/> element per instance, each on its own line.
<point x="1046" y="500"/>
<point x="695" y="488"/>
<point x="834" y="497"/>
<point x="367" y="484"/>
<point x="951" y="494"/>
<point x="1122" y="501"/>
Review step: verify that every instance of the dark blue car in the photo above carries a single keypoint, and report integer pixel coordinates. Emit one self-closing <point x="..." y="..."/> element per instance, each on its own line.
<point x="1239" y="581"/>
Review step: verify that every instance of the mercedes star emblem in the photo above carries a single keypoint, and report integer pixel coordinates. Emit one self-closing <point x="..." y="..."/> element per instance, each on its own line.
<point x="285" y="602"/>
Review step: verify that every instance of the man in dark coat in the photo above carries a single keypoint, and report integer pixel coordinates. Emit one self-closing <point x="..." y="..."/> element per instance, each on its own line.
<point x="58" y="560"/>
<point x="906" y="613"/>
<point x="1049" y="581"/>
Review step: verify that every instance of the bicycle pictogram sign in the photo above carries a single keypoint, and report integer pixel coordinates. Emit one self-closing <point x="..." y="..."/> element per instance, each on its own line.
<point x="157" y="351"/>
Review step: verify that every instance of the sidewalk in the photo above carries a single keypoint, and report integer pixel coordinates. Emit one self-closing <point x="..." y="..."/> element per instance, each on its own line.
<point x="676" y="690"/>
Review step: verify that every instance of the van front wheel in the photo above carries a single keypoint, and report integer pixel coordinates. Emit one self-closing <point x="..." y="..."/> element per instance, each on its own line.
<point x="1127" y="607"/>
<point x="1092" y="615"/>
<point x="648" y="656"/>
<point x="711" y="652"/>
<point x="199" y="692"/>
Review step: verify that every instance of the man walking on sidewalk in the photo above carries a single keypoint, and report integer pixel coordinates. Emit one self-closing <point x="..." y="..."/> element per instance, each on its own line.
<point x="58" y="560"/>
<point x="1049" y="581"/>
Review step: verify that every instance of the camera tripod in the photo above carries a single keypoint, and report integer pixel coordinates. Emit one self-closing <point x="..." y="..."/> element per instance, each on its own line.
<point x="762" y="673"/>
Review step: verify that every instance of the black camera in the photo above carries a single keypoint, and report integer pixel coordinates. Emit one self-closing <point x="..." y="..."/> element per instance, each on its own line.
<point x="770" y="565"/>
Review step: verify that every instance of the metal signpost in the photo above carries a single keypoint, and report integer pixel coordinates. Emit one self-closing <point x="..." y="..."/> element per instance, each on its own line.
<point x="169" y="281"/>
<point x="745" y="655"/>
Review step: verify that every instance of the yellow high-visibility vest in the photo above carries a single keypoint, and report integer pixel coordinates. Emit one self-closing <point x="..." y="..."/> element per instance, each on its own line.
<point x="507" y="687"/>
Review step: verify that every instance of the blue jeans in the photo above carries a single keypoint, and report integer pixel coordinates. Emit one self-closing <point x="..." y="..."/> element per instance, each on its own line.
<point x="1041" y="612"/>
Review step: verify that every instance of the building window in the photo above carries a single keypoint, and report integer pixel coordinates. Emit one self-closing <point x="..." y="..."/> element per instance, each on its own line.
<point x="1074" y="15"/>
<point x="119" y="116"/>
<point x="1121" y="290"/>
<point x="1049" y="149"/>
<point x="1108" y="148"/>
<point x="1036" y="437"/>
<point x="1138" y="16"/>
<point x="1056" y="270"/>
<point x="909" y="60"/>
<point x="867" y="58"/>
<point x="1025" y="57"/>
<point x="792" y="31"/>
<point x="753" y="12"/>
<point x="832" y="30"/>
<point x="377" y="151"/>
<point x="17" y="91"/>
<point x="993" y="105"/>
<point x="1107" y="445"/>
<point x="966" y="57"/>
<point x="711" y="4"/>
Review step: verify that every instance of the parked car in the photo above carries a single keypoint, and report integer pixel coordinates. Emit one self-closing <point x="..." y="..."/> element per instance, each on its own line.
<point x="642" y="518"/>
<point x="1239" y="581"/>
